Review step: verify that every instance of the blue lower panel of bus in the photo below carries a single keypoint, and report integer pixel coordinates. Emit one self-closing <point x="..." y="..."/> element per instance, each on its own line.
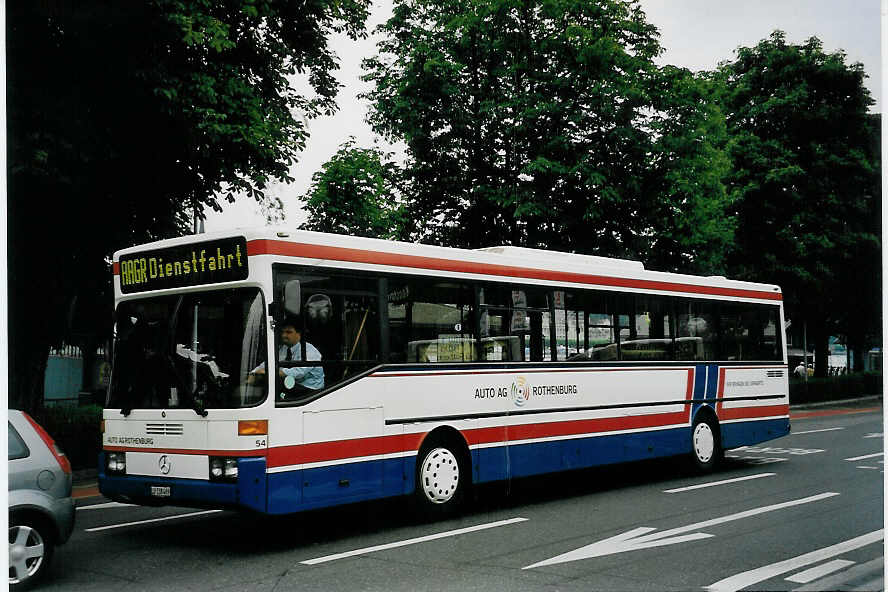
<point x="293" y="491"/>
<point x="747" y="433"/>
<point x="249" y="492"/>
<point x="522" y="460"/>
<point x="307" y="489"/>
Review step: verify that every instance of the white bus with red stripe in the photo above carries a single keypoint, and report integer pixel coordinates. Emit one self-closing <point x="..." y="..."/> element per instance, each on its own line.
<point x="442" y="368"/>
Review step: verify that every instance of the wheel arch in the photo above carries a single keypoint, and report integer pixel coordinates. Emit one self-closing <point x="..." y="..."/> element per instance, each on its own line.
<point x="451" y="435"/>
<point x="705" y="412"/>
<point x="38" y="516"/>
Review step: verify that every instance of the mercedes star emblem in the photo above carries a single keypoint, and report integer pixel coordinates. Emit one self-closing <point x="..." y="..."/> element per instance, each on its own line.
<point x="164" y="464"/>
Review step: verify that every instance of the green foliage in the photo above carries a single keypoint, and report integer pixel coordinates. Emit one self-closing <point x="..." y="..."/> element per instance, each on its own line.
<point x="77" y="431"/>
<point x="125" y="116"/>
<point x="687" y="169"/>
<point x="834" y="388"/>
<point x="546" y="123"/>
<point x="356" y="193"/>
<point x="805" y="181"/>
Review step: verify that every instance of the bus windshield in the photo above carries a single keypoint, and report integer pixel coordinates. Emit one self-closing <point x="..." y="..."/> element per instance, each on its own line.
<point x="189" y="351"/>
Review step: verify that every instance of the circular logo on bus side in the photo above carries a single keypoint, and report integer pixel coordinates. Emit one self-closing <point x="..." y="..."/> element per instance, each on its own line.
<point x="164" y="464"/>
<point x="520" y="391"/>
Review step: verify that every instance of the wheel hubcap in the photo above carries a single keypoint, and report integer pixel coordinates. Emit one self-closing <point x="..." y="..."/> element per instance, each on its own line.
<point x="704" y="442"/>
<point x="26" y="553"/>
<point x="439" y="475"/>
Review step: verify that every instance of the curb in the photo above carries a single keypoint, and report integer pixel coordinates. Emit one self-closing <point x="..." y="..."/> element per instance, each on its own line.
<point x="839" y="402"/>
<point x="85" y="490"/>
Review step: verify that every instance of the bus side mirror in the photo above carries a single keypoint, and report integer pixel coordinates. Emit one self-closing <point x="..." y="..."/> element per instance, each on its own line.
<point x="292" y="297"/>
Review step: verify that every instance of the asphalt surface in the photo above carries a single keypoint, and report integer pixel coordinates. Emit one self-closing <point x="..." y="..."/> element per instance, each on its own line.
<point x="804" y="512"/>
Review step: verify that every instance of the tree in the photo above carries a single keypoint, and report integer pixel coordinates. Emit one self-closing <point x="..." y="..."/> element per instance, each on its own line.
<point x="805" y="179"/>
<point x="540" y="123"/>
<point x="355" y="193"/>
<point x="124" y="119"/>
<point x="691" y="230"/>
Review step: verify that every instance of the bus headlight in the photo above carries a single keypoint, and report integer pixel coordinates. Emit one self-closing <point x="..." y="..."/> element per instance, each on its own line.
<point x="215" y="468"/>
<point x="115" y="462"/>
<point x="223" y="469"/>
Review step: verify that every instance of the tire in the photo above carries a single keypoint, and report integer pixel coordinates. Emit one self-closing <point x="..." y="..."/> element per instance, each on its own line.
<point x="706" y="450"/>
<point x="31" y="546"/>
<point x="442" y="478"/>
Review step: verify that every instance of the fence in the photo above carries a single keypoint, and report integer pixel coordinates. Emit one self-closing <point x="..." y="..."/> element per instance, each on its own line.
<point x="72" y="378"/>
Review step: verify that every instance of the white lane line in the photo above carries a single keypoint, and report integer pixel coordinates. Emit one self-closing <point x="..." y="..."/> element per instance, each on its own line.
<point x="865" y="456"/>
<point x="413" y="541"/>
<point x="101" y="506"/>
<point x="151" y="520"/>
<point x="816" y="431"/>
<point x="809" y="575"/>
<point x="755" y="576"/>
<point x="866" y="576"/>
<point x="714" y="483"/>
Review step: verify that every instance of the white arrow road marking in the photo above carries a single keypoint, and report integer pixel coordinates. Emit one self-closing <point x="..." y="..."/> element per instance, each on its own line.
<point x="639" y="538"/>
<point x="754" y="576"/>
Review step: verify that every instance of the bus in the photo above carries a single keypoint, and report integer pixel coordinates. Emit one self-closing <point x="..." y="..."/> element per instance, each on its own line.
<point x="433" y="369"/>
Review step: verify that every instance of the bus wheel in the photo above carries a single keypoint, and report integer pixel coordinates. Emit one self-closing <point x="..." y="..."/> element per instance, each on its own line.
<point x="706" y="444"/>
<point x="440" y="479"/>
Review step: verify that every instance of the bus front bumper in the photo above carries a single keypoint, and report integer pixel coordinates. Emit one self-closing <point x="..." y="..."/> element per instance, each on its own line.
<point x="248" y="492"/>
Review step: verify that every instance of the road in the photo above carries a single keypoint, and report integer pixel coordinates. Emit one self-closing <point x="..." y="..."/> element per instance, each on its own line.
<point x="804" y="512"/>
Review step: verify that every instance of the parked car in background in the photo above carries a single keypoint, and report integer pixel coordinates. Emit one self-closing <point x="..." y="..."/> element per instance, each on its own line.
<point x="41" y="510"/>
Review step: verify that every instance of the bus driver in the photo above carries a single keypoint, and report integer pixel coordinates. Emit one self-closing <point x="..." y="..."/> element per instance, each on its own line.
<point x="305" y="378"/>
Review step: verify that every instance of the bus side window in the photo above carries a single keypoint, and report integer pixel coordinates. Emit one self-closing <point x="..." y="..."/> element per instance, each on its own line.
<point x="502" y="327"/>
<point x="601" y="343"/>
<point x="540" y="323"/>
<point x="432" y="322"/>
<point x="696" y="330"/>
<point x="749" y="332"/>
<point x="339" y="317"/>
<point x="570" y="326"/>
<point x="650" y="329"/>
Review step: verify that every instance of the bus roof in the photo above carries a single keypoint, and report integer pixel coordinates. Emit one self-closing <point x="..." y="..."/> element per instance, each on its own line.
<point x="503" y="261"/>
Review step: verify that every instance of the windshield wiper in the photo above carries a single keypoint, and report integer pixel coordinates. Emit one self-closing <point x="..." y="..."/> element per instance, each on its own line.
<point x="198" y="406"/>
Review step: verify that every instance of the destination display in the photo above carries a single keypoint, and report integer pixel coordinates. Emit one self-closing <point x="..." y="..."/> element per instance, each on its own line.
<point x="210" y="262"/>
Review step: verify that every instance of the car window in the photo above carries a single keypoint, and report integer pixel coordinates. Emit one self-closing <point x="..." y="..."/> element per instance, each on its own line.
<point x="17" y="447"/>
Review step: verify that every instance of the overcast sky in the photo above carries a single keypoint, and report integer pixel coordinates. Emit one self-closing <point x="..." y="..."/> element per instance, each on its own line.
<point x="696" y="34"/>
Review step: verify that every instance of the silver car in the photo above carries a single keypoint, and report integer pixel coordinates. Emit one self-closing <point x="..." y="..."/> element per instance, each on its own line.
<point x="41" y="510"/>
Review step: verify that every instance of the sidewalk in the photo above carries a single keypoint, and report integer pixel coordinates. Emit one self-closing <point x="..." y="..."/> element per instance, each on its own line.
<point x="86" y="485"/>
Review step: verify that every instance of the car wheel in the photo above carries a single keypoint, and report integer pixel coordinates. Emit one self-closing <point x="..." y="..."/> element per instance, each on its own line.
<point x="706" y="444"/>
<point x="442" y="478"/>
<point x="30" y="552"/>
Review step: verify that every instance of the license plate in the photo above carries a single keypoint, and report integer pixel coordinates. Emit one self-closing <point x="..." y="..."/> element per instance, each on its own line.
<point x="160" y="491"/>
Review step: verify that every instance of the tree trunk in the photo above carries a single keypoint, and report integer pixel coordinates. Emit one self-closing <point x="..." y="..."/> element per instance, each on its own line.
<point x="821" y="353"/>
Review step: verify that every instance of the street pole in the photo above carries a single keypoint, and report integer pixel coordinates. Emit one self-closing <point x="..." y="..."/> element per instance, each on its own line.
<point x="194" y="340"/>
